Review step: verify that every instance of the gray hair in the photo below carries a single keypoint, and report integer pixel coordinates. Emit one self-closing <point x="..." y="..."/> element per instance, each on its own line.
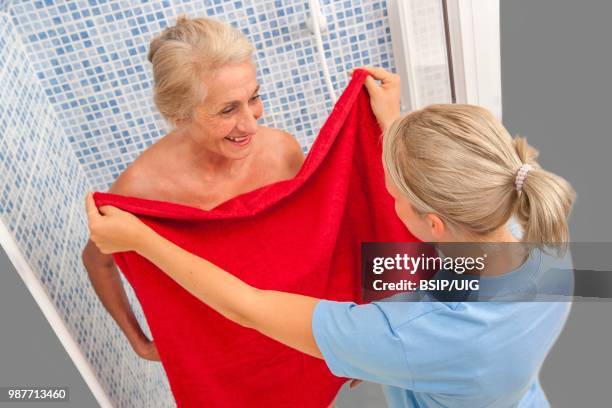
<point x="185" y="54"/>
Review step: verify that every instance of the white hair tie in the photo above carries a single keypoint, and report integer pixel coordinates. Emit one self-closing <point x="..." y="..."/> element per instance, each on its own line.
<point x="521" y="175"/>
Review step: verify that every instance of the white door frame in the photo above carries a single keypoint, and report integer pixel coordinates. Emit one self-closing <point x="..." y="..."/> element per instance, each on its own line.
<point x="474" y="33"/>
<point x="472" y="30"/>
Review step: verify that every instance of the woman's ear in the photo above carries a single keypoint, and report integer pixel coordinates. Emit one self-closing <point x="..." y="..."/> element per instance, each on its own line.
<point x="179" y="123"/>
<point x="436" y="225"/>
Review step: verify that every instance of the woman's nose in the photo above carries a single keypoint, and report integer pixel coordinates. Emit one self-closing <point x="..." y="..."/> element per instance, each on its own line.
<point x="248" y="121"/>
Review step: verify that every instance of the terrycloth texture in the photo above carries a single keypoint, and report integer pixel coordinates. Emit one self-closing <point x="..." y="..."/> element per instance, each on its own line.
<point x="300" y="236"/>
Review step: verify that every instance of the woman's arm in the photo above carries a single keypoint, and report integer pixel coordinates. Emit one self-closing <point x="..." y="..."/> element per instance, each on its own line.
<point x="105" y="279"/>
<point x="285" y="317"/>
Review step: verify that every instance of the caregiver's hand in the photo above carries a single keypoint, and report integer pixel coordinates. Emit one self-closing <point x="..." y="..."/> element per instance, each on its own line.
<point x="114" y="230"/>
<point x="384" y="97"/>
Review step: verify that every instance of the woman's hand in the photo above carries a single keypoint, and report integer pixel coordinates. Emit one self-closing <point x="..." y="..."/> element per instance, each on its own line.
<point x="146" y="349"/>
<point x="384" y="97"/>
<point x="114" y="230"/>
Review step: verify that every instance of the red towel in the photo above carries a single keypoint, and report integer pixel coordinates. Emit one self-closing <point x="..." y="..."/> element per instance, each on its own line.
<point x="301" y="236"/>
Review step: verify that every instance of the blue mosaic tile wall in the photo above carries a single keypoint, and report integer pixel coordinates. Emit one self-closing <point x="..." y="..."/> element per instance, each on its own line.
<point x="41" y="202"/>
<point x="79" y="109"/>
<point x="76" y="108"/>
<point x="90" y="57"/>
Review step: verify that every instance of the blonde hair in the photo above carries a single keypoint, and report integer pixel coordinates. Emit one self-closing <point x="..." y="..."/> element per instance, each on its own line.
<point x="459" y="162"/>
<point x="186" y="53"/>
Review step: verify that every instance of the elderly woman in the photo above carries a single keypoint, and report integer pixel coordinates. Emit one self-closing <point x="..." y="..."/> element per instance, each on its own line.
<point x="205" y="86"/>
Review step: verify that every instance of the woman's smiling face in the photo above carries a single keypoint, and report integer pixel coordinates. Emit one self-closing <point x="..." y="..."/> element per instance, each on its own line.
<point x="226" y="122"/>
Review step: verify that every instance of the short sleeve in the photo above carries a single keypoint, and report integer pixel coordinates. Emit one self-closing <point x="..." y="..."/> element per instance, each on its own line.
<point x="358" y="341"/>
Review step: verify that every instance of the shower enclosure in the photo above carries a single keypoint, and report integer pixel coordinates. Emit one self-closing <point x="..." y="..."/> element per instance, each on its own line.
<point x="76" y="108"/>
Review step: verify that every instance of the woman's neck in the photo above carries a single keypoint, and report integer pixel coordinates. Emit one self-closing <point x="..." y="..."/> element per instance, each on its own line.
<point x="203" y="161"/>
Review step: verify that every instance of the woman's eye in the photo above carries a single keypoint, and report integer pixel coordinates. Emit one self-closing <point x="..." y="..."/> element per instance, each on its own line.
<point x="231" y="109"/>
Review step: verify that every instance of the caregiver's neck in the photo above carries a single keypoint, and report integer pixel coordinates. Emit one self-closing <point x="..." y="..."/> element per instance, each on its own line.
<point x="500" y="258"/>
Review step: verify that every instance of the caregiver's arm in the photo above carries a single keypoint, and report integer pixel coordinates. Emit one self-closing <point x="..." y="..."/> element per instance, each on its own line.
<point x="284" y="317"/>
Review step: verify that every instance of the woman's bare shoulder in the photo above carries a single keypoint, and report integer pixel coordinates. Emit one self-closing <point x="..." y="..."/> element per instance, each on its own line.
<point x="284" y="146"/>
<point x="133" y="181"/>
<point x="138" y="179"/>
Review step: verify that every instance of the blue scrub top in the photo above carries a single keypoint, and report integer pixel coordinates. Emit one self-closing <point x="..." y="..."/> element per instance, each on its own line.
<point x="436" y="353"/>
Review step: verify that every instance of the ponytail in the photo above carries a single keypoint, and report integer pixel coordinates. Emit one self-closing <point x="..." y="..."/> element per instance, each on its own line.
<point x="544" y="202"/>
